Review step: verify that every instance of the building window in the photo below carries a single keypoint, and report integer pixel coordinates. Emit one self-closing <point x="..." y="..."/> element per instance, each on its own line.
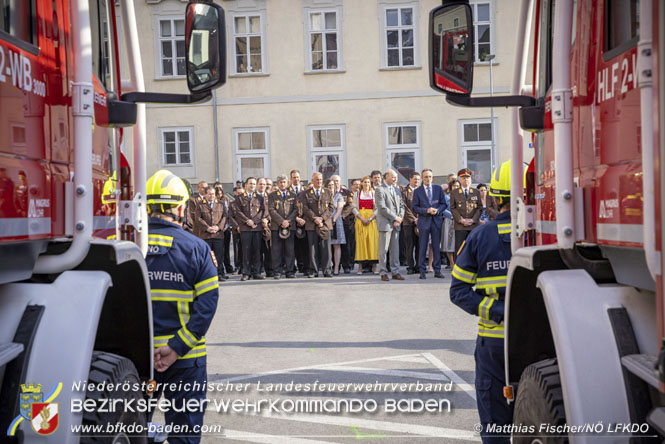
<point x="477" y="150"/>
<point x="326" y="147"/>
<point x="482" y="25"/>
<point x="399" y="36"/>
<point x="172" y="47"/>
<point x="252" y="152"/>
<point x="176" y="145"/>
<point x="324" y="41"/>
<point x="402" y="148"/>
<point x="248" y="44"/>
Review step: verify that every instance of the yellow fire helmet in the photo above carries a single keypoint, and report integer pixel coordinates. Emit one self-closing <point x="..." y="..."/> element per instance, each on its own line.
<point x="500" y="185"/>
<point x="166" y="188"/>
<point x="109" y="192"/>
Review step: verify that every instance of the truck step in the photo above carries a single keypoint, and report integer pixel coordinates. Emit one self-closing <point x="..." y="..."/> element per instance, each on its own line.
<point x="642" y="366"/>
<point x="9" y="351"/>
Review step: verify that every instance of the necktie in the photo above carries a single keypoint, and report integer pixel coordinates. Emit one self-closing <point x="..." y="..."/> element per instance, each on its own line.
<point x="466" y="192"/>
<point x="317" y="193"/>
<point x="429" y="194"/>
<point x="283" y="195"/>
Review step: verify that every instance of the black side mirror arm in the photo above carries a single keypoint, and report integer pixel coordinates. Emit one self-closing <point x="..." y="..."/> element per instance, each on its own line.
<point x="488" y="102"/>
<point x="148" y="97"/>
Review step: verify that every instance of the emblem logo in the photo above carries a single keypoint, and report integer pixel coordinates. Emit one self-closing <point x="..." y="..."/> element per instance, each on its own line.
<point x="41" y="411"/>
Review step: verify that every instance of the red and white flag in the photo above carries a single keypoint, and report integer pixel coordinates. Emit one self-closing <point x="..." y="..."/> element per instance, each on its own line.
<point x="44" y="417"/>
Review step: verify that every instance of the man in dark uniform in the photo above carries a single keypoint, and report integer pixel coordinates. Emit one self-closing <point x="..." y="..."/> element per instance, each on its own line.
<point x="248" y="210"/>
<point x="265" y="255"/>
<point x="184" y="293"/>
<point x="464" y="205"/>
<point x="283" y="211"/>
<point x="483" y="263"/>
<point x="409" y="224"/>
<point x="300" y="244"/>
<point x="317" y="203"/>
<point x="192" y="203"/>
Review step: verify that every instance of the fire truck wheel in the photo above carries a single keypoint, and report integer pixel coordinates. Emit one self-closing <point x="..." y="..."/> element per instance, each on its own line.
<point x="539" y="404"/>
<point x="117" y="425"/>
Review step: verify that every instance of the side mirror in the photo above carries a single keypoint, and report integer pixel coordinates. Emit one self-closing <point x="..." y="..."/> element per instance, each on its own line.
<point x="205" y="41"/>
<point x="451" y="49"/>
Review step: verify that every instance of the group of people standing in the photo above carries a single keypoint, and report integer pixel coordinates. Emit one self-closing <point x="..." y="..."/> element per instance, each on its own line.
<point x="324" y="229"/>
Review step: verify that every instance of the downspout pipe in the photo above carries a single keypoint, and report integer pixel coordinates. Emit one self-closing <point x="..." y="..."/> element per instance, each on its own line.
<point x="214" y="117"/>
<point x="139" y="130"/>
<point x="82" y="110"/>
<point x="516" y="157"/>
<point x="644" y="68"/>
<point x="562" y="118"/>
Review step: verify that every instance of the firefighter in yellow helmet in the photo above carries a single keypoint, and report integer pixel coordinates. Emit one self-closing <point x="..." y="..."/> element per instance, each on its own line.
<point x="184" y="293"/>
<point x="478" y="287"/>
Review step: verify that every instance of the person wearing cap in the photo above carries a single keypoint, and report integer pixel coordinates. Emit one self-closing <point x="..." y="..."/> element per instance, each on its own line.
<point x="192" y="203"/>
<point x="283" y="211"/>
<point x="184" y="291"/>
<point x="209" y="223"/>
<point x="317" y="204"/>
<point x="248" y="212"/>
<point x="465" y="207"/>
<point x="478" y="287"/>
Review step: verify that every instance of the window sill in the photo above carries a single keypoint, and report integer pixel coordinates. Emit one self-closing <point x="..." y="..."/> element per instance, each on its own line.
<point x="486" y="64"/>
<point x="257" y="74"/>
<point x="177" y="165"/>
<point x="400" y="68"/>
<point x="171" y="78"/>
<point x="325" y="71"/>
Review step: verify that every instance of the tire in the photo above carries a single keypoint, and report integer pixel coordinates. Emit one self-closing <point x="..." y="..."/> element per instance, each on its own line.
<point x="107" y="368"/>
<point x="539" y="401"/>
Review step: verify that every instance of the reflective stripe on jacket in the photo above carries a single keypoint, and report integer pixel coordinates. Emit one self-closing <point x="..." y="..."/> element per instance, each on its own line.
<point x="483" y="263"/>
<point x="184" y="290"/>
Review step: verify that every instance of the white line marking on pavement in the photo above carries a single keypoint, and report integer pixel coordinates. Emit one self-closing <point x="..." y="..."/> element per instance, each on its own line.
<point x="398" y="427"/>
<point x="418" y="359"/>
<point x="378" y="371"/>
<point x="309" y="367"/>
<point x="457" y="380"/>
<point x="268" y="439"/>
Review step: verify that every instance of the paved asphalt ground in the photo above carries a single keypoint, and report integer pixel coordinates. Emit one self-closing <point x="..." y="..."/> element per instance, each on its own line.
<point x="348" y="329"/>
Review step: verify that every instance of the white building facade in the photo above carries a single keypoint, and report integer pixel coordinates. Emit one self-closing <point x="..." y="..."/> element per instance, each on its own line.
<point x="337" y="86"/>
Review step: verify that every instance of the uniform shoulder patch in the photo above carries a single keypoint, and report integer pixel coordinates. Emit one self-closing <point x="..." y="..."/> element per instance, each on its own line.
<point x="459" y="191"/>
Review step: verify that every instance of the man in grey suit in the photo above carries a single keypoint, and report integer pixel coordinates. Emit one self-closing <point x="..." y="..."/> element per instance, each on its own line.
<point x="390" y="211"/>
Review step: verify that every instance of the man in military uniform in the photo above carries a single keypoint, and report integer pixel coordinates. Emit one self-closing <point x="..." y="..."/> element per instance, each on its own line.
<point x="317" y="203"/>
<point x="300" y="244"/>
<point x="409" y="224"/>
<point x="465" y="207"/>
<point x="248" y="210"/>
<point x="190" y="209"/>
<point x="283" y="211"/>
<point x="265" y="257"/>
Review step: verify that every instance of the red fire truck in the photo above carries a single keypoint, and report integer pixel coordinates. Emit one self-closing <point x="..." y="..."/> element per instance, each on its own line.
<point x="584" y="323"/>
<point x="74" y="293"/>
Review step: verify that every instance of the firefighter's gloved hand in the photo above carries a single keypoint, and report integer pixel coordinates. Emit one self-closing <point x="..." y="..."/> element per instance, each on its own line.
<point x="496" y="311"/>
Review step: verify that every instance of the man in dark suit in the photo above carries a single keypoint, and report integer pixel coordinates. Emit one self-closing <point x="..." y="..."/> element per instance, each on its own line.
<point x="248" y="211"/>
<point x="317" y="204"/>
<point x="465" y="207"/>
<point x="429" y="204"/>
<point x="283" y="211"/>
<point x="409" y="224"/>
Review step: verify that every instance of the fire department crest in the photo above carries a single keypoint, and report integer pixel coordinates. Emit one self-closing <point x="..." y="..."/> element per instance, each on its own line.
<point x="39" y="410"/>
